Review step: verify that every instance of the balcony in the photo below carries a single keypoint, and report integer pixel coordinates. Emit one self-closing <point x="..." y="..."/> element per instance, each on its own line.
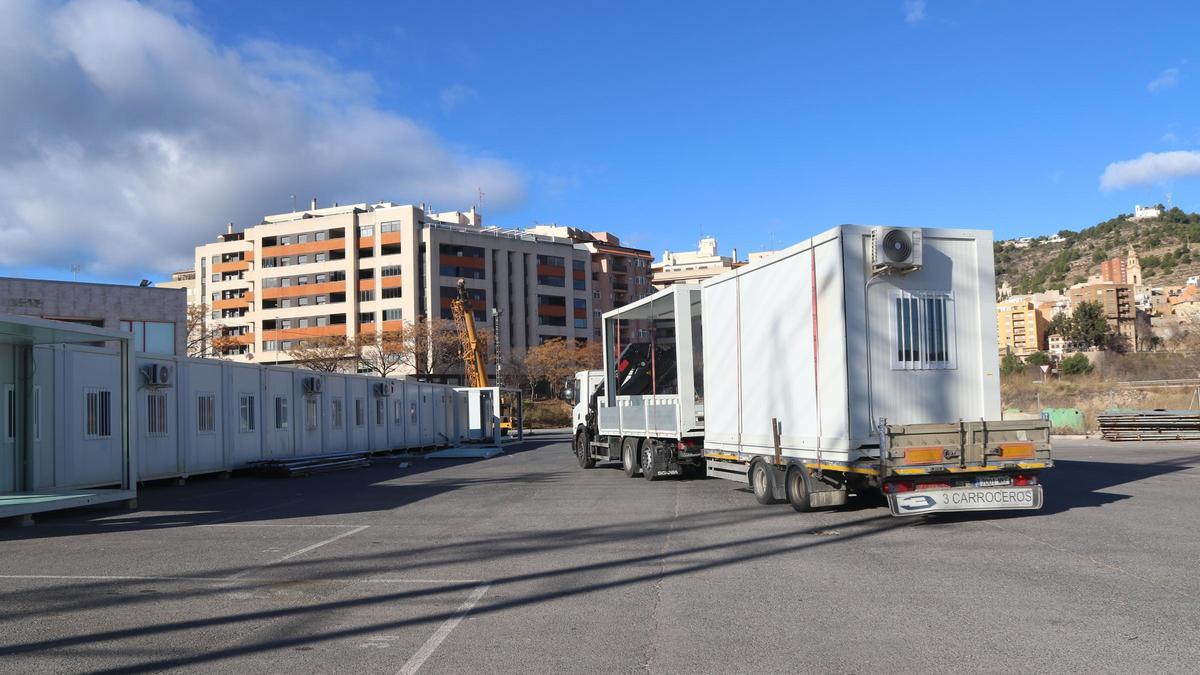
<point x="304" y="289"/>
<point x="306" y="247"/>
<point x="300" y="333"/>
<point x="231" y="266"/>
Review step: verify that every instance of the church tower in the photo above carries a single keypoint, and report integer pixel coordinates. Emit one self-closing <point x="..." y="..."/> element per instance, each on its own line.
<point x="1133" y="270"/>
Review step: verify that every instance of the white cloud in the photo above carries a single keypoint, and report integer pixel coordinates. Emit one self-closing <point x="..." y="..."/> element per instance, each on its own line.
<point x="129" y="136"/>
<point x="1165" y="80"/>
<point x="1152" y="167"/>
<point x="914" y="11"/>
<point x="456" y="95"/>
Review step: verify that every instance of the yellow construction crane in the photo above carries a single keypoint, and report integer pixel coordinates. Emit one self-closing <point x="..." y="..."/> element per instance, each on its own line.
<point x="472" y="346"/>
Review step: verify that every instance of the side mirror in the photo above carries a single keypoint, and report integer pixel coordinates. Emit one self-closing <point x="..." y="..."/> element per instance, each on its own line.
<point x="568" y="394"/>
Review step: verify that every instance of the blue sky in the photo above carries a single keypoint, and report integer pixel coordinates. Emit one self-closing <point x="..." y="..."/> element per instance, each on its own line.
<point x="757" y="123"/>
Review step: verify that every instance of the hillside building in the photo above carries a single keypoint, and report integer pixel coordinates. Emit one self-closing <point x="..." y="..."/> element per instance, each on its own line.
<point x="1021" y="327"/>
<point x="1118" y="304"/>
<point x="362" y="269"/>
<point x="1122" y="270"/>
<point x="1145" y="212"/>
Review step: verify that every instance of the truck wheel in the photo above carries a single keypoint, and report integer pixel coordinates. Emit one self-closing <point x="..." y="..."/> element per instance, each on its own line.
<point x="761" y="483"/>
<point x="650" y="461"/>
<point x="797" y="489"/>
<point x="582" y="452"/>
<point x="629" y="456"/>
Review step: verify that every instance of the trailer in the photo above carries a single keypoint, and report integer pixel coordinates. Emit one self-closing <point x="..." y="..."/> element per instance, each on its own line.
<point x="863" y="359"/>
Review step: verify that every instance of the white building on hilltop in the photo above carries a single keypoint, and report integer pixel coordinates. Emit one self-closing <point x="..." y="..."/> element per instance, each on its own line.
<point x="1145" y="212"/>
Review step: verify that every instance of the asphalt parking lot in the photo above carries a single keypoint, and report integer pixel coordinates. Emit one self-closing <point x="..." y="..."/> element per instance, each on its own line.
<point x="527" y="563"/>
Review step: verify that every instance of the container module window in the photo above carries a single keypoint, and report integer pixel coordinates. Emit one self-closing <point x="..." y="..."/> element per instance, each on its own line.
<point x="97" y="410"/>
<point x="923" y="330"/>
<point x="380" y="411"/>
<point x="246" y="412"/>
<point x="156" y="414"/>
<point x="310" y="413"/>
<point x="10" y="412"/>
<point x="337" y="413"/>
<point x="360" y="412"/>
<point x="206" y="413"/>
<point x="281" y="412"/>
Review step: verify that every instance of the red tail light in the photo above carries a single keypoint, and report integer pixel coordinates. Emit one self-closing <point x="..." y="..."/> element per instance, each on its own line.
<point x="1024" y="479"/>
<point x="899" y="486"/>
<point x="933" y="486"/>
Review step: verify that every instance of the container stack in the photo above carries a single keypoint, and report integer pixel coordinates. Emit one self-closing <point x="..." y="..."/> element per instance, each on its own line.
<point x="1150" y="425"/>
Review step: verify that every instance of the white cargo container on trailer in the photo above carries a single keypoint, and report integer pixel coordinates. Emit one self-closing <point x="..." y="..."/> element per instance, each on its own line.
<point x="864" y="357"/>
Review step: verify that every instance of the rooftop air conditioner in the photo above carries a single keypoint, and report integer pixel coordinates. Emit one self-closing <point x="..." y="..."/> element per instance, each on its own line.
<point x="895" y="248"/>
<point x="385" y="389"/>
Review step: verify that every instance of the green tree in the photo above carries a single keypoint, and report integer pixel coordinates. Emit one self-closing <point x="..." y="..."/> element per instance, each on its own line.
<point x="1088" y="325"/>
<point x="1076" y="364"/>
<point x="1011" y="365"/>
<point x="1038" y="359"/>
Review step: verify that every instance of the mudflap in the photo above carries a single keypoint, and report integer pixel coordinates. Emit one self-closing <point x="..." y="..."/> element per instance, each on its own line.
<point x="824" y="490"/>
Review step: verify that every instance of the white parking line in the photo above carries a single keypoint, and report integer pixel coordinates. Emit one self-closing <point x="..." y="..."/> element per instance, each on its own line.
<point x="417" y="660"/>
<point x="132" y="577"/>
<point x="302" y="551"/>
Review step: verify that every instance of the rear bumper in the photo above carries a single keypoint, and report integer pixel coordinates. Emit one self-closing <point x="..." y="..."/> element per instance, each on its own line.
<point x="1002" y="498"/>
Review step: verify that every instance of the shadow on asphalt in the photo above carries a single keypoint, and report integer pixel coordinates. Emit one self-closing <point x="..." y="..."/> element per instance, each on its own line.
<point x="246" y="497"/>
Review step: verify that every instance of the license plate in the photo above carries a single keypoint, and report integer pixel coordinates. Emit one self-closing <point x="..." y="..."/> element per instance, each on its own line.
<point x="992" y="482"/>
<point x="965" y="499"/>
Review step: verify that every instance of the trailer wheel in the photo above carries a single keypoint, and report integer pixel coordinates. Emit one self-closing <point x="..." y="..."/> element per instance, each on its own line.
<point x="650" y="460"/>
<point x="630" y="455"/>
<point x="762" y="483"/>
<point x="797" y="489"/>
<point x="582" y="452"/>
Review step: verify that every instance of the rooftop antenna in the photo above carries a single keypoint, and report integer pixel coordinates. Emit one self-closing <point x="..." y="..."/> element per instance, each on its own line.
<point x="293" y="203"/>
<point x="1168" y="201"/>
<point x="75" y="267"/>
<point x="479" y="201"/>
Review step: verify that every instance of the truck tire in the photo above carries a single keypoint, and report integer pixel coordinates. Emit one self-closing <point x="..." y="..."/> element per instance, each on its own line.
<point x="797" y="489"/>
<point x="762" y="483"/>
<point x="650" y="460"/>
<point x="630" y="455"/>
<point x="582" y="451"/>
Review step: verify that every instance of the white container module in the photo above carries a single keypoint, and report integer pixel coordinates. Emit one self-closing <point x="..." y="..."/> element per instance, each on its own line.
<point x="157" y="405"/>
<point x="850" y="347"/>
<point x="333" y="412"/>
<point x="378" y="408"/>
<point x="202" y="427"/>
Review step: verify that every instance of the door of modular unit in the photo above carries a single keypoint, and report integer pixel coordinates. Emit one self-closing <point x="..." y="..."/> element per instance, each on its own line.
<point x="159" y="453"/>
<point x="202" y="426"/>
<point x="440" y="430"/>
<point x="279" y="414"/>
<point x="425" y="406"/>
<point x="379" y="420"/>
<point x="396" y="414"/>
<point x="9" y="462"/>
<point x="412" y="414"/>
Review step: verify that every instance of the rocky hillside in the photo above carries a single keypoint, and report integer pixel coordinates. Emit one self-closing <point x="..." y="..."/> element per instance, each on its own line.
<point x="1168" y="247"/>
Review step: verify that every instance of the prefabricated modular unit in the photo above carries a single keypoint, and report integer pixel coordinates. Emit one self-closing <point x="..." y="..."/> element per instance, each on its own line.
<point x="831" y="336"/>
<point x="333" y="412"/>
<point x="161" y="452"/>
<point x="428" y="431"/>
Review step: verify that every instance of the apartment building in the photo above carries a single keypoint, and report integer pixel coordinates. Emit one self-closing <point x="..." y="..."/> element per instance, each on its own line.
<point x="186" y="280"/>
<point x="620" y="274"/>
<point x="1122" y="270"/>
<point x="366" y="268"/>
<point x="692" y="266"/>
<point x="1118" y="304"/>
<point x="1021" y="327"/>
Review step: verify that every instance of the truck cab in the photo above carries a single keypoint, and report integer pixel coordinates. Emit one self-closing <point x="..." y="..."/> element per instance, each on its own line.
<point x="579" y="392"/>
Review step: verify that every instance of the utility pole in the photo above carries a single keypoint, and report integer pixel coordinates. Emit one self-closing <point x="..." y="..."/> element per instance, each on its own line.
<point x="496" y="312"/>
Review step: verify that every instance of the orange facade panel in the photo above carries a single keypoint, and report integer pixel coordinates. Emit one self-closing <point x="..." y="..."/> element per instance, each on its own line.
<point x="301" y="333"/>
<point x="305" y="289"/>
<point x="389" y="238"/>
<point x="366" y="242"/>
<point x="463" y="261"/>
<point x="552" y="310"/>
<point x="306" y="247"/>
<point x="232" y="303"/>
<point x="551" y="270"/>
<point x="231" y="266"/>
<point x="390" y="282"/>
<point x="366" y="284"/>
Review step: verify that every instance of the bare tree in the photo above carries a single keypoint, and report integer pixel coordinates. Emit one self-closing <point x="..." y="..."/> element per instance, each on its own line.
<point x="388" y="352"/>
<point x="327" y="354"/>
<point x="555" y="361"/>
<point x="202" y="335"/>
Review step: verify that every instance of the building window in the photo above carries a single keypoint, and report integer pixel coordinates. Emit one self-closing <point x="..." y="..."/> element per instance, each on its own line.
<point x="206" y="413"/>
<point x="552" y="300"/>
<point x="360" y="413"/>
<point x="551" y="260"/>
<point x="281" y="412"/>
<point x="156" y="414"/>
<point x="246" y="412"/>
<point x="392" y="315"/>
<point x="461" y="250"/>
<point x="380" y="411"/>
<point x="151" y="337"/>
<point x="551" y="280"/>
<point x="97" y="409"/>
<point x="366" y="230"/>
<point x="366" y="317"/>
<point x="390" y="293"/>
<point x="337" y="413"/>
<point x="544" y="320"/>
<point x="390" y="226"/>
<point x="366" y="296"/>
<point x="300" y="302"/>
<point x="301" y="260"/>
<point x="389" y="271"/>
<point x="366" y="273"/>
<point x="923" y="330"/>
<point x="310" y="412"/>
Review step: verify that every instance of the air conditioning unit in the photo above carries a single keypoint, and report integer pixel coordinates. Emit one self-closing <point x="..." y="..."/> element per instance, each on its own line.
<point x="385" y="389"/>
<point x="312" y="385"/>
<point x="157" y="375"/>
<point x="895" y="248"/>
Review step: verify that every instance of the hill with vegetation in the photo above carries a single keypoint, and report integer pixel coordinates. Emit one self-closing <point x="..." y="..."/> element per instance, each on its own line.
<point x="1168" y="248"/>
